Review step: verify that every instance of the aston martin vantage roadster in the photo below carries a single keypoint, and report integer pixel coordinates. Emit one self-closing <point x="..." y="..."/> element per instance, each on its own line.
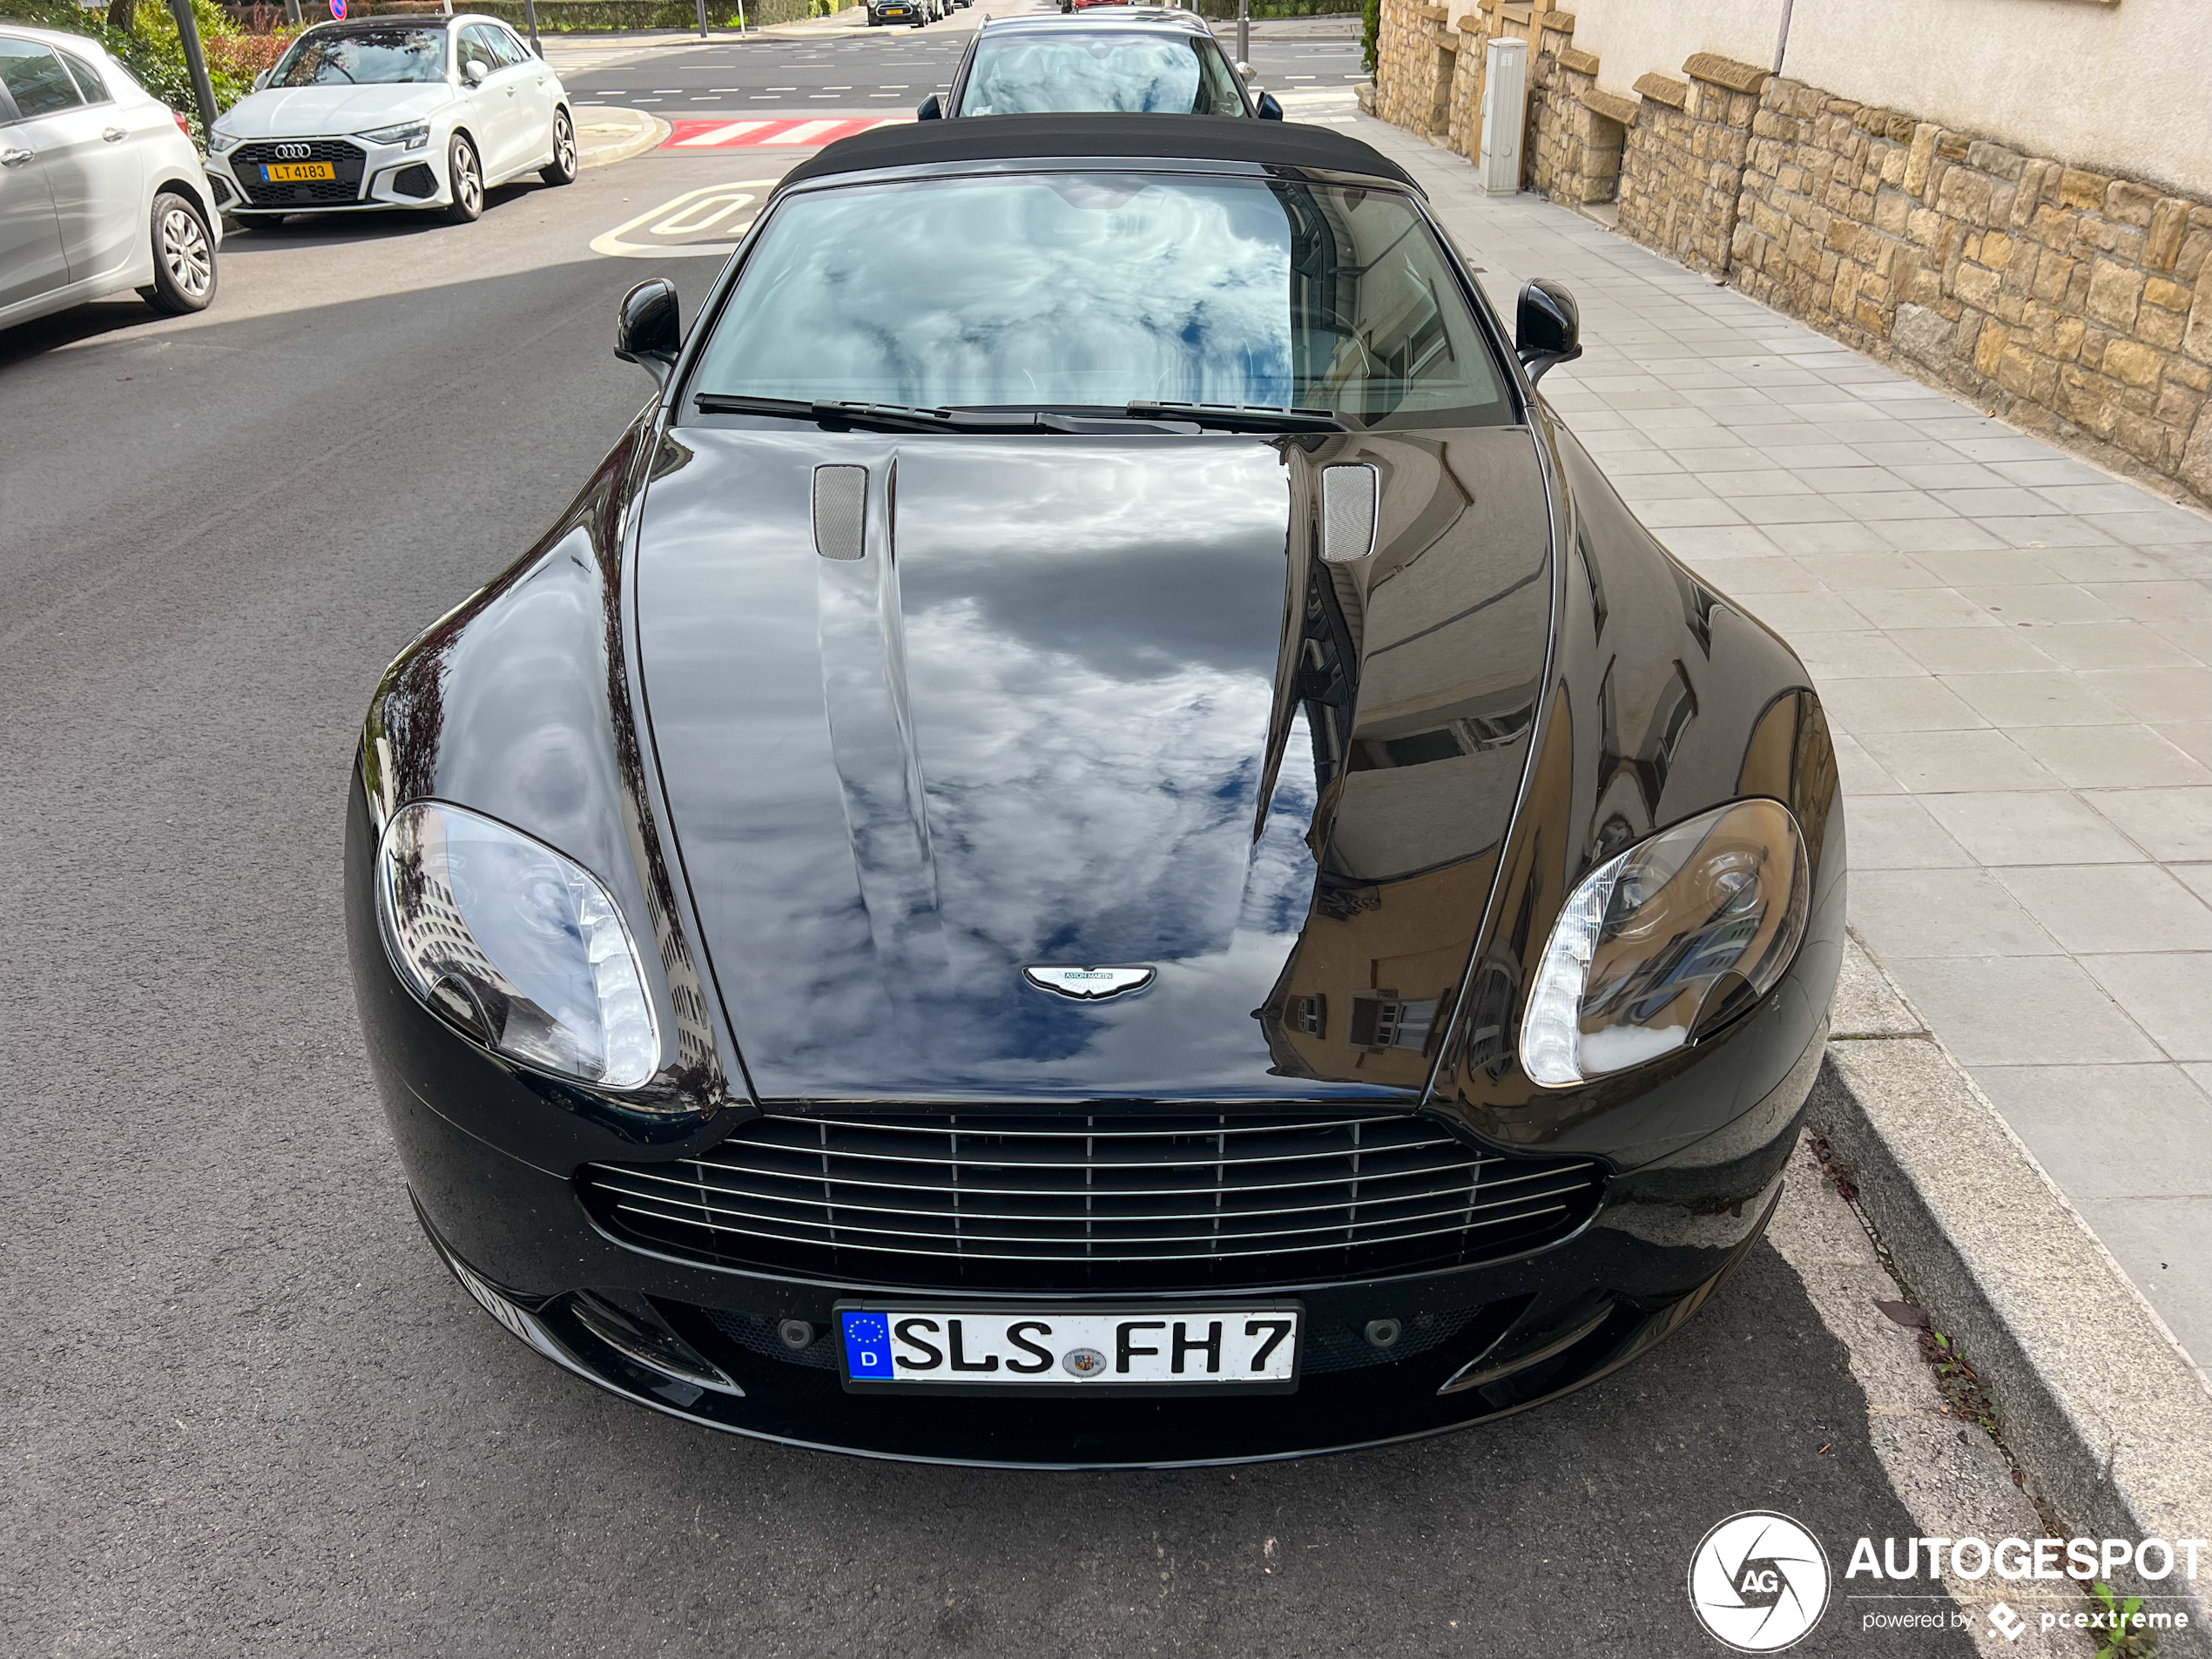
<point x="1096" y="841"/>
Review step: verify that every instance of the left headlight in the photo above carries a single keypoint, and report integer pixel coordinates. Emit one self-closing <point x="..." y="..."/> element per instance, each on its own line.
<point x="220" y="143"/>
<point x="413" y="135"/>
<point x="517" y="944"/>
<point x="1668" y="942"/>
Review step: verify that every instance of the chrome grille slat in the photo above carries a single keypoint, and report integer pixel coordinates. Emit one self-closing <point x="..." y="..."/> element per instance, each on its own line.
<point x="1087" y="1199"/>
<point x="1089" y="1185"/>
<point x="1163" y="1256"/>
<point x="854" y="1217"/>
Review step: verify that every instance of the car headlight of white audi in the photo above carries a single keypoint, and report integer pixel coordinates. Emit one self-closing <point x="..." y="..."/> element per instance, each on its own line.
<point x="408" y="135"/>
<point x="521" y="948"/>
<point x="1668" y="942"/>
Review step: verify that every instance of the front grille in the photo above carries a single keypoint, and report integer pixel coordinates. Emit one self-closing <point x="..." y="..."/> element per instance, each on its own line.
<point x="345" y="160"/>
<point x="1095" y="1201"/>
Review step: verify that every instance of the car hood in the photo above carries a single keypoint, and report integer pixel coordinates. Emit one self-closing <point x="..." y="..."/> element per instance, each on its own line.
<point x="1102" y="706"/>
<point x="316" y="112"/>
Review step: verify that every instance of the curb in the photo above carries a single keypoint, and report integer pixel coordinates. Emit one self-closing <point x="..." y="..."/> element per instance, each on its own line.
<point x="620" y="135"/>
<point x="2102" y="1409"/>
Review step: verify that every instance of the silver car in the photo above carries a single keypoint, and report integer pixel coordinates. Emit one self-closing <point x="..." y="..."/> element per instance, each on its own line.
<point x="101" y="188"/>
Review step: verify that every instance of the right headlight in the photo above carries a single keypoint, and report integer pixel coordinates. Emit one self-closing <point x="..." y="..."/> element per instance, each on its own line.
<point x="221" y="142"/>
<point x="1667" y="941"/>
<point x="413" y="134"/>
<point x="519" y="947"/>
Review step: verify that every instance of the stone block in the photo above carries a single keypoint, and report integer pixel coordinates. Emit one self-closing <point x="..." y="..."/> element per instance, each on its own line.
<point x="2067" y="335"/>
<point x="1581" y="62"/>
<point x="1726" y="72"/>
<point x="1611" y="105"/>
<point x="2132" y="363"/>
<point x="1995" y="158"/>
<point x="1977" y="286"/>
<point x="2197" y="456"/>
<point x="2115" y="293"/>
<point x="1922" y="334"/>
<point x="2024" y="375"/>
<point x="2130" y="203"/>
<point x="2168" y="223"/>
<point x="1989" y="346"/>
<point x="1952" y="146"/>
<point x="2196" y="339"/>
<point x="2080" y="189"/>
<point x="2162" y="329"/>
<point x="1965" y="194"/>
<point x="1922" y="157"/>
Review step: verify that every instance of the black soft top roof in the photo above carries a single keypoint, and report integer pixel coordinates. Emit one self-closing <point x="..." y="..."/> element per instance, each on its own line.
<point x="1173" y="137"/>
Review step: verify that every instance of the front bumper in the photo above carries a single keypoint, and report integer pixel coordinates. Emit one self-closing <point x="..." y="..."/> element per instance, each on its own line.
<point x="1514" y="1333"/>
<point x="370" y="178"/>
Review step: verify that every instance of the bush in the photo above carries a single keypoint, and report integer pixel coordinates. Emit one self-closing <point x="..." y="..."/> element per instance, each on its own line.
<point x="1370" y="27"/>
<point x="151" y="50"/>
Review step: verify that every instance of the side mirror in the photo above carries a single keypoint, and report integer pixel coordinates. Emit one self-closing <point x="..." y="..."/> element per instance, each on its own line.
<point x="931" y="109"/>
<point x="1548" y="329"/>
<point x="1269" y="109"/>
<point x="262" y="79"/>
<point x="1245" y="72"/>
<point x="649" y="328"/>
<point x="474" y="71"/>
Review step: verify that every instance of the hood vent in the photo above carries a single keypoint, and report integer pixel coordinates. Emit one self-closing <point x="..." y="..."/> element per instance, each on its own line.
<point x="1347" y="513"/>
<point x="840" y="511"/>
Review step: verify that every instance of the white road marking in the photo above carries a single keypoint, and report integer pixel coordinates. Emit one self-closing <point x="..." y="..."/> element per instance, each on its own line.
<point x="655" y="233"/>
<point x="717" y="135"/>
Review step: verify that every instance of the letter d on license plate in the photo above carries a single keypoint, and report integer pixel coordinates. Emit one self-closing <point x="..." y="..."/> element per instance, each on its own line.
<point x="1249" y="1347"/>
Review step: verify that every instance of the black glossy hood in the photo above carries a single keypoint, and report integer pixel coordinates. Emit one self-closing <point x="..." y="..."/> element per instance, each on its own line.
<point x="1086" y="702"/>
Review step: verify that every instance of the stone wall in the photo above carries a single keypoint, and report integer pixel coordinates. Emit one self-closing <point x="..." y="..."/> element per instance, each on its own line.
<point x="2072" y="302"/>
<point x="1576" y="133"/>
<point x="1684" y="167"/>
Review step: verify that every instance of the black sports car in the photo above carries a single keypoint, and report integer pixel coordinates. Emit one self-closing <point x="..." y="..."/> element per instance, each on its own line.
<point x="1136" y="863"/>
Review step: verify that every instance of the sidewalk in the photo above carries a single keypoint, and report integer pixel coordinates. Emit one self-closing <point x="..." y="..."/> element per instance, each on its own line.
<point x="2012" y="647"/>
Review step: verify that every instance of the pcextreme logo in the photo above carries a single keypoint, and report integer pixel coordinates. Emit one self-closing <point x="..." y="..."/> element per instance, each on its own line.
<point x="1758" y="1581"/>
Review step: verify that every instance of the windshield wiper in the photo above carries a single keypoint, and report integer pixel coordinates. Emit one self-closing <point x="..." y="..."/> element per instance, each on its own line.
<point x="1242" y="417"/>
<point x="902" y="417"/>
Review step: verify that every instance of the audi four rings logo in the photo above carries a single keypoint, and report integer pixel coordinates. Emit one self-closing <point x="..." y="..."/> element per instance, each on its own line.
<point x="1758" y="1581"/>
<point x="294" y="152"/>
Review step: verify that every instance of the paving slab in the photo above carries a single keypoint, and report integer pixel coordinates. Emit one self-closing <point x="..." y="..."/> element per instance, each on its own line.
<point x="2015" y="651"/>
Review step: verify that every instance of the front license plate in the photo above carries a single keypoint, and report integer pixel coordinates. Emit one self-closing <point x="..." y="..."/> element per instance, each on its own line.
<point x="1246" y="1347"/>
<point x="297" y="172"/>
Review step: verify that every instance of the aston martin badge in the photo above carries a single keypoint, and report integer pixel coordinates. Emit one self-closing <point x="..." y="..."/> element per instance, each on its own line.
<point x="1089" y="984"/>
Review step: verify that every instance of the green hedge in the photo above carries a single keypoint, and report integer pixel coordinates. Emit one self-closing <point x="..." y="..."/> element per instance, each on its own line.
<point x="1220" y="10"/>
<point x="562" y="16"/>
<point x="151" y="51"/>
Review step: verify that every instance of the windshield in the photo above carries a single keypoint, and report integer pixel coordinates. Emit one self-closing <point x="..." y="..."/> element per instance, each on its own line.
<point x="1098" y="290"/>
<point x="1044" y="74"/>
<point x="339" y="57"/>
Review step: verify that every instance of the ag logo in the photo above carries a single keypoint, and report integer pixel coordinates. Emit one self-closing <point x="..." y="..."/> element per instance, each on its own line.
<point x="1758" y="1581"/>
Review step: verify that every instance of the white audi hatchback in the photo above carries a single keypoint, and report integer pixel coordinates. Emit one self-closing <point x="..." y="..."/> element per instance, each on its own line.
<point x="405" y="111"/>
<point x="101" y="189"/>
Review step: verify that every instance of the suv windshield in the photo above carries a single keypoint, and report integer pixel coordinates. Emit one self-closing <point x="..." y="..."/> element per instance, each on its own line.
<point x="1099" y="290"/>
<point x="1065" y="72"/>
<point x="363" y="57"/>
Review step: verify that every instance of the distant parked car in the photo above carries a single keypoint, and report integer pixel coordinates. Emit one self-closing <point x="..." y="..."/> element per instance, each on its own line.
<point x="1152" y="60"/>
<point x="101" y="188"/>
<point x="395" y="111"/>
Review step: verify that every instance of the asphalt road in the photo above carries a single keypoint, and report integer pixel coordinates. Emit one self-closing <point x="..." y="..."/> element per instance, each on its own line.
<point x="890" y="70"/>
<point x="244" y="1411"/>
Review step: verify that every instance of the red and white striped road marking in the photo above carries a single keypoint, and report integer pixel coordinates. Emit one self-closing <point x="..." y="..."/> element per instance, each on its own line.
<point x="746" y="135"/>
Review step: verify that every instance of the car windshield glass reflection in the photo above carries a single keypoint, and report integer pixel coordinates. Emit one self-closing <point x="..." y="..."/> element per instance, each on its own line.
<point x="1130" y="73"/>
<point x="372" y="57"/>
<point x="1094" y="291"/>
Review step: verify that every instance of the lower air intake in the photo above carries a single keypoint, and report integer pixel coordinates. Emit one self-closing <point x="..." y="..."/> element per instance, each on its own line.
<point x="1080" y="1202"/>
